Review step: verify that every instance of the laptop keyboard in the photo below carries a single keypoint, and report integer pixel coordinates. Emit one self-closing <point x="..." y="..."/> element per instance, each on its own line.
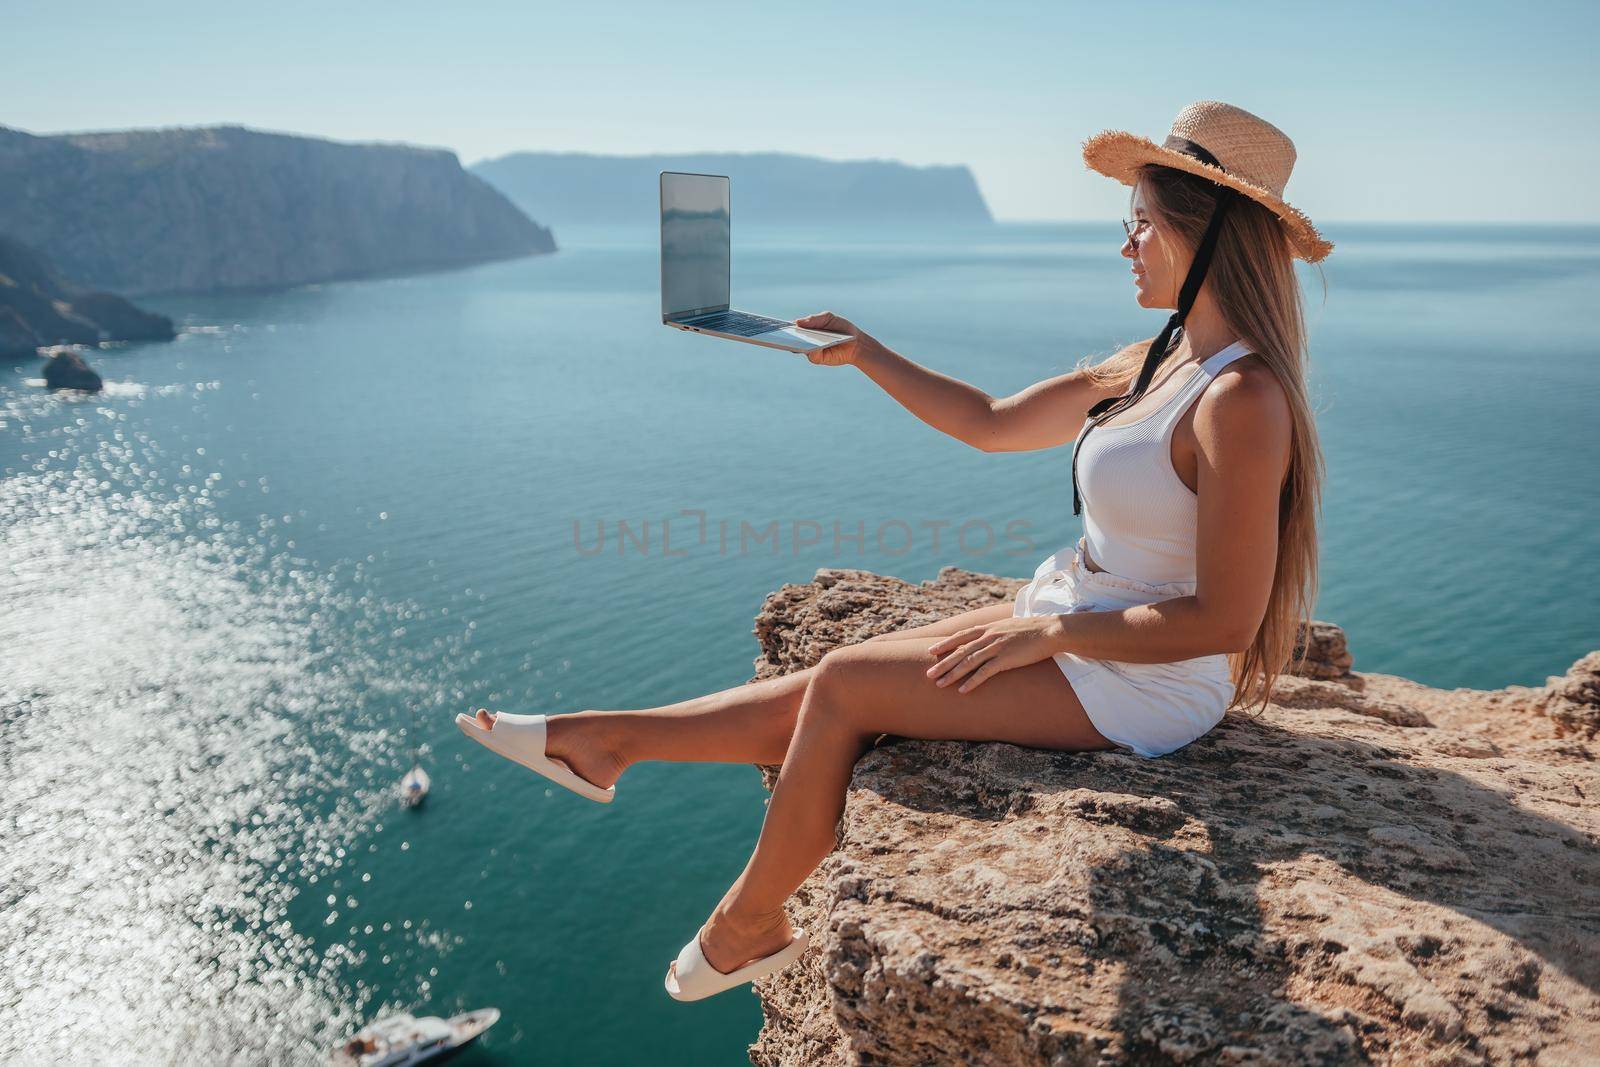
<point x="738" y="323"/>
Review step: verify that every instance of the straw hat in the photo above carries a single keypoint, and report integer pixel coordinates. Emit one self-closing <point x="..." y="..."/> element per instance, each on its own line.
<point x="1226" y="144"/>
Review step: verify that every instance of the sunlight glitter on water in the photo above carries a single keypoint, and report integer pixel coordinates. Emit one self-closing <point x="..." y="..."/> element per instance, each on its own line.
<point x="196" y="732"/>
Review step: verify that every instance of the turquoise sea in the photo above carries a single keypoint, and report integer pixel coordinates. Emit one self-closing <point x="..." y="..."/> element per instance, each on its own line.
<point x="280" y="553"/>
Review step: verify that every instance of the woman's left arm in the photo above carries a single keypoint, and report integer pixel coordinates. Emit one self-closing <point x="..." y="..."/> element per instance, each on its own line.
<point x="1243" y="430"/>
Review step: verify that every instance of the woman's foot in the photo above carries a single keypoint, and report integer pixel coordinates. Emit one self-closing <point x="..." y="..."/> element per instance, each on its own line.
<point x="729" y="942"/>
<point x="581" y="742"/>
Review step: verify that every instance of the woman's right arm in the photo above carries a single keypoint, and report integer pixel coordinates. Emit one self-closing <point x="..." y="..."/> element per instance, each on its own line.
<point x="1044" y="415"/>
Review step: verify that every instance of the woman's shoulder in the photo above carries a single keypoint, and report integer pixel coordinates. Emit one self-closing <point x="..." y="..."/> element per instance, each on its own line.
<point x="1248" y="375"/>
<point x="1246" y="399"/>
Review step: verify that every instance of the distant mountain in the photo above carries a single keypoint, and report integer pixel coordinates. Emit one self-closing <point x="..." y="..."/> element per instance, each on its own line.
<point x="198" y="209"/>
<point x="38" y="307"/>
<point x="567" y="188"/>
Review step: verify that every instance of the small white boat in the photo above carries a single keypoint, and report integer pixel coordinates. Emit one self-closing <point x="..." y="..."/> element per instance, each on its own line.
<point x="414" y="786"/>
<point x="401" y="1040"/>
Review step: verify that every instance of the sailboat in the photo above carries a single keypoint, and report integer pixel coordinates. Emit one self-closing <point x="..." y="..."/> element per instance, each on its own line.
<point x="403" y="1039"/>
<point x="414" y="786"/>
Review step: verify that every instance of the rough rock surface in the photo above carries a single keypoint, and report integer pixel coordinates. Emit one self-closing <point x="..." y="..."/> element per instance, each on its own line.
<point x="213" y="208"/>
<point x="1371" y="871"/>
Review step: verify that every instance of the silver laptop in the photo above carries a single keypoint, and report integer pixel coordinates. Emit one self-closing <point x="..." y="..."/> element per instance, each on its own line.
<point x="696" y="236"/>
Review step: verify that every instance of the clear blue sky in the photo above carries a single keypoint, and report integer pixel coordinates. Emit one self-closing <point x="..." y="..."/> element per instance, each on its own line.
<point x="1445" y="111"/>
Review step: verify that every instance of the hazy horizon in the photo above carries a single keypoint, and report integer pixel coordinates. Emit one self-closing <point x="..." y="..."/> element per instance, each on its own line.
<point x="469" y="164"/>
<point x="1397" y="114"/>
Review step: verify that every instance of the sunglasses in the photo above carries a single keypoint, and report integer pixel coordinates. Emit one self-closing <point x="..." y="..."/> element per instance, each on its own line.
<point x="1135" y="227"/>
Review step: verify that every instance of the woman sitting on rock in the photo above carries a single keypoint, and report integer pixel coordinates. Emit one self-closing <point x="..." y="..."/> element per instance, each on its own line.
<point x="1199" y="467"/>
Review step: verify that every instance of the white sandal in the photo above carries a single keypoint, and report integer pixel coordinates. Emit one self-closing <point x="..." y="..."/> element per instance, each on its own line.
<point x="521" y="738"/>
<point x="693" y="977"/>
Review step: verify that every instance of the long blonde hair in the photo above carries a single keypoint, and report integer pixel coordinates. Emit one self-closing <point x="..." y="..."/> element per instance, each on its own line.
<point x="1253" y="283"/>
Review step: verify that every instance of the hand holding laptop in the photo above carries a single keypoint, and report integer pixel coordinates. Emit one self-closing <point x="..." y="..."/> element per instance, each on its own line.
<point x="838" y="355"/>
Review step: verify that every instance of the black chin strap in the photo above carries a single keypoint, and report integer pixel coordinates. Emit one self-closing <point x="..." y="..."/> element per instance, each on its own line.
<point x="1161" y="347"/>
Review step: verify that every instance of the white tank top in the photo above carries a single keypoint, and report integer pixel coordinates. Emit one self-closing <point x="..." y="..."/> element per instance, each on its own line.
<point x="1139" y="519"/>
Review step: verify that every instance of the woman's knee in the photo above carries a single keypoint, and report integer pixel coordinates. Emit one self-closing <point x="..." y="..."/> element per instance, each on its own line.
<point x="839" y="664"/>
<point x="853" y="681"/>
<point x="827" y="671"/>
<point x="838" y="682"/>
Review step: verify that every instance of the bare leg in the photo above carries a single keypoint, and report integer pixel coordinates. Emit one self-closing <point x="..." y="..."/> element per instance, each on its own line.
<point x="750" y="723"/>
<point x="856" y="693"/>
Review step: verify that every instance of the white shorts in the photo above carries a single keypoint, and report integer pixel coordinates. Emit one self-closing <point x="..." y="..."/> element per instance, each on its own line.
<point x="1148" y="708"/>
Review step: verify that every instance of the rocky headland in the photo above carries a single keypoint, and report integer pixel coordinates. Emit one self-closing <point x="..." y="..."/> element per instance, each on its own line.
<point x="39" y="308"/>
<point x="1372" y="871"/>
<point x="769" y="188"/>
<point x="218" y="208"/>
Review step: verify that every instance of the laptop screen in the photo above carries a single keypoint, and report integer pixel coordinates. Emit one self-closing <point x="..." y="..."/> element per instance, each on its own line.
<point x="694" y="243"/>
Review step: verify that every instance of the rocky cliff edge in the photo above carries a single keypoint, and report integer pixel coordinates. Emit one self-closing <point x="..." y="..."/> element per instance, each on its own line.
<point x="1372" y="871"/>
<point x="38" y="307"/>
<point x="203" y="209"/>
